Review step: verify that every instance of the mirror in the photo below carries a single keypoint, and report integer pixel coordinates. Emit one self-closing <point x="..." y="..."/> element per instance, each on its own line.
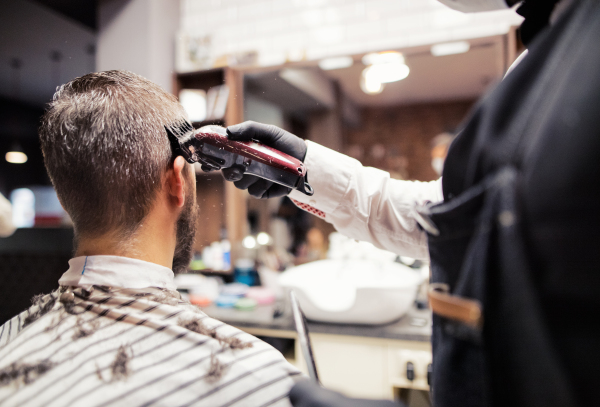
<point x="394" y="130"/>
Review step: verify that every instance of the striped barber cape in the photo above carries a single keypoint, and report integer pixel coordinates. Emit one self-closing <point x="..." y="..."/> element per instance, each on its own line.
<point x="134" y="347"/>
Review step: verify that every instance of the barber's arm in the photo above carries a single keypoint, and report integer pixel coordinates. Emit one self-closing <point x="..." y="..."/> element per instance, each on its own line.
<point x="6" y="225"/>
<point x="361" y="202"/>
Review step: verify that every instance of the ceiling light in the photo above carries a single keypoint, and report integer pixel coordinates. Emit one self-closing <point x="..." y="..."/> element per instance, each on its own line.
<point x="383" y="58"/>
<point x="450" y="48"/>
<point x="370" y="85"/>
<point x="335" y="63"/>
<point x="16" y="155"/>
<point x="386" y="73"/>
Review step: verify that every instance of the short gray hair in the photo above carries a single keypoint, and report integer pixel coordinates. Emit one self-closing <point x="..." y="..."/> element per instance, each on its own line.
<point x="106" y="149"/>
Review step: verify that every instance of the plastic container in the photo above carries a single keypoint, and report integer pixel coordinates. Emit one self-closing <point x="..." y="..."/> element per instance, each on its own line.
<point x="200" y="300"/>
<point x="235" y="289"/>
<point x="244" y="272"/>
<point x="245" y="304"/>
<point x="262" y="295"/>
<point x="226" y="301"/>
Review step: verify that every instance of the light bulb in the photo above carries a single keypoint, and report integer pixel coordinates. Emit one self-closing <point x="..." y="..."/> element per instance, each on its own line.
<point x="450" y="48"/>
<point x="383" y="58"/>
<point x="370" y="85"/>
<point x="386" y="73"/>
<point x="335" y="63"/>
<point x="263" y="238"/>
<point x="16" y="157"/>
<point x="249" y="242"/>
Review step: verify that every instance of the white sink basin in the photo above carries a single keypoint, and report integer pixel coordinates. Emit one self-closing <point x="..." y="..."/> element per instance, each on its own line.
<point x="353" y="291"/>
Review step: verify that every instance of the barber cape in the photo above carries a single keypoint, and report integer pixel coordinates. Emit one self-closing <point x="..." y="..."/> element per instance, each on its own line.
<point x="97" y="345"/>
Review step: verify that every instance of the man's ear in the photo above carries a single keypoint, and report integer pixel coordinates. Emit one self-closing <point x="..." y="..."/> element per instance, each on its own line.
<point x="176" y="182"/>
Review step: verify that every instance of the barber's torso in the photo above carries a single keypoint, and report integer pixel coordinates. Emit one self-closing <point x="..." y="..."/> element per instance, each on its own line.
<point x="519" y="230"/>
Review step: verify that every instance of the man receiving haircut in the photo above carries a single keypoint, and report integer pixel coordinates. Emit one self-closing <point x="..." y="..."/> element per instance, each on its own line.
<point x="117" y="332"/>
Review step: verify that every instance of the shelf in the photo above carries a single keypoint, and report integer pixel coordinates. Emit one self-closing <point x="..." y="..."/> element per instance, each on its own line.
<point x="219" y="122"/>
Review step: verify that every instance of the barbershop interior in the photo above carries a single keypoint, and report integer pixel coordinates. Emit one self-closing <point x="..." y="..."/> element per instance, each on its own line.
<point x="386" y="83"/>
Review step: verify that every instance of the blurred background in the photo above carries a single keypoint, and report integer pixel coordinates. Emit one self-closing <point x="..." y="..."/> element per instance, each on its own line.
<point x="387" y="82"/>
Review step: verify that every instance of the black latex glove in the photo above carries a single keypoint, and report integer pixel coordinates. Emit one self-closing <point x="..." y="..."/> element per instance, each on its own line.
<point x="308" y="394"/>
<point x="271" y="136"/>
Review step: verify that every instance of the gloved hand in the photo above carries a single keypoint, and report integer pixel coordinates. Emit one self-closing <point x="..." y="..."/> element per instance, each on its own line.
<point x="308" y="394"/>
<point x="271" y="136"/>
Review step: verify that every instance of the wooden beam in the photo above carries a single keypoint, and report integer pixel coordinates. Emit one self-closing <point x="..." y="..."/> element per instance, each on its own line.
<point x="236" y="208"/>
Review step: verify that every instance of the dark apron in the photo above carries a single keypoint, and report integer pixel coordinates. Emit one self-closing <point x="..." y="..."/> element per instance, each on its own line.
<point x="491" y="240"/>
<point x="480" y="255"/>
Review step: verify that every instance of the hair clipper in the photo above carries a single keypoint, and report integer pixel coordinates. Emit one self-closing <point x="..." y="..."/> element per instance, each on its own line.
<point x="210" y="146"/>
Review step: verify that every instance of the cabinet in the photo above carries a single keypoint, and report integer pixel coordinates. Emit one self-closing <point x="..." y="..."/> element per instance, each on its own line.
<point x="221" y="204"/>
<point x="359" y="366"/>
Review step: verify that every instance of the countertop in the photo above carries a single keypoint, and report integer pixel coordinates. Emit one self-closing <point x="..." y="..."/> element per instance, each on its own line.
<point x="414" y="326"/>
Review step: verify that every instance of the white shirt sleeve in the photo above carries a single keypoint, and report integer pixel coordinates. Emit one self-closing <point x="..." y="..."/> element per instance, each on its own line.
<point x="364" y="203"/>
<point x="6" y="225"/>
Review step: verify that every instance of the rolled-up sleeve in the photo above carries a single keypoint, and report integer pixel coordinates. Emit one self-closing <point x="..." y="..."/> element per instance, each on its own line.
<point x="364" y="203"/>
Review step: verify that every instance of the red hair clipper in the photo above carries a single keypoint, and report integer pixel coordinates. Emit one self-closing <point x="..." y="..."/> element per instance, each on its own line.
<point x="210" y="146"/>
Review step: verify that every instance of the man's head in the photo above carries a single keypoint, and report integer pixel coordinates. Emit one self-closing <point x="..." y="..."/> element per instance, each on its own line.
<point x="107" y="152"/>
<point x="439" y="151"/>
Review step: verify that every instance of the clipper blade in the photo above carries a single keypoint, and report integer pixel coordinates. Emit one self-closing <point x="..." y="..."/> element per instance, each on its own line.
<point x="182" y="130"/>
<point x="179" y="134"/>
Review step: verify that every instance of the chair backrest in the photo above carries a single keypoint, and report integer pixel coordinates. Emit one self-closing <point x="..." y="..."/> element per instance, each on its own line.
<point x="31" y="262"/>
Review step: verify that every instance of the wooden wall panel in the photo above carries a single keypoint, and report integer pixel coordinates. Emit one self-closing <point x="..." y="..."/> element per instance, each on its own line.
<point x="210" y="192"/>
<point x="236" y="208"/>
<point x="405" y="134"/>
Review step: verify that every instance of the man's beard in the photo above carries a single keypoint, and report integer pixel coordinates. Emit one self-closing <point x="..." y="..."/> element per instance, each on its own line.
<point x="186" y="234"/>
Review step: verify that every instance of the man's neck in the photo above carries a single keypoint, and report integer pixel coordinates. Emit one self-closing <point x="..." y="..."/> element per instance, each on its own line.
<point x="155" y="238"/>
<point x="152" y="241"/>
